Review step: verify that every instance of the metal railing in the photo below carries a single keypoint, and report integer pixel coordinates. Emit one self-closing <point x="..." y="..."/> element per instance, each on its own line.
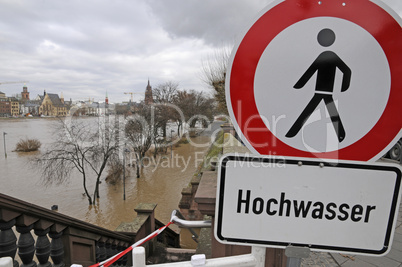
<point x="255" y="259"/>
<point x="178" y="219"/>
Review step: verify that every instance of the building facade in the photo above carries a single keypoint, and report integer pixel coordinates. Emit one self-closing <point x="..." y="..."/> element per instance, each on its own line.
<point x="30" y="107"/>
<point x="53" y="106"/>
<point x="15" y="106"/>
<point x="9" y="107"/>
<point x="5" y="107"/>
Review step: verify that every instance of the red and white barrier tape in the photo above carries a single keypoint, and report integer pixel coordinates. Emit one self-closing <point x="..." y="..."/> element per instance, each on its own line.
<point x="116" y="257"/>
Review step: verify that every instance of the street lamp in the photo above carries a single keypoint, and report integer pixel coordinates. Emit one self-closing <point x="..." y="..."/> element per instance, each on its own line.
<point x="125" y="150"/>
<point x="171" y="143"/>
<point x="5" y="149"/>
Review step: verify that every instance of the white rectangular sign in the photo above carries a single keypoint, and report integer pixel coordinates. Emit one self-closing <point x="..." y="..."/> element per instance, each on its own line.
<point x="343" y="206"/>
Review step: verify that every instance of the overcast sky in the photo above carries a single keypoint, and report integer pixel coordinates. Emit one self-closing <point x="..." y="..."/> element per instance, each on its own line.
<point x="87" y="48"/>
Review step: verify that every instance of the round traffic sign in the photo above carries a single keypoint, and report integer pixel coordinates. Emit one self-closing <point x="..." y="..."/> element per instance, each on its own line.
<point x="319" y="79"/>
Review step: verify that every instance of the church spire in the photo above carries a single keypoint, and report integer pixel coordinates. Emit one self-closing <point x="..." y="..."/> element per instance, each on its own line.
<point x="148" y="94"/>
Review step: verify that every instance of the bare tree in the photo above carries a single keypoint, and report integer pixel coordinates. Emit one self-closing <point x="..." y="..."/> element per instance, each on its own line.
<point x="165" y="94"/>
<point x="195" y="105"/>
<point x="141" y="130"/>
<point x="183" y="102"/>
<point x="213" y="73"/>
<point x="81" y="146"/>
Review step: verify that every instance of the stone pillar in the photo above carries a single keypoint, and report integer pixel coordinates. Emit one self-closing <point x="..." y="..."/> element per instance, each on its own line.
<point x="228" y="128"/>
<point x="101" y="250"/>
<point x="125" y="260"/>
<point x="142" y="225"/>
<point x="26" y="246"/>
<point x="147" y="209"/>
<point x="119" y="248"/>
<point x="26" y="242"/>
<point x="108" y="247"/>
<point x="185" y="201"/>
<point x="43" y="247"/>
<point x="8" y="245"/>
<point x="114" y="247"/>
<point x="56" y="247"/>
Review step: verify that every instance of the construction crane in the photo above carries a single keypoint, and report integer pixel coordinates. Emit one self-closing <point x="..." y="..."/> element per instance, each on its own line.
<point x="132" y="93"/>
<point x="14" y="82"/>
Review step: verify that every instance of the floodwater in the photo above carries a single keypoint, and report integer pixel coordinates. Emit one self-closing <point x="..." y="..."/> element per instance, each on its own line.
<point x="161" y="180"/>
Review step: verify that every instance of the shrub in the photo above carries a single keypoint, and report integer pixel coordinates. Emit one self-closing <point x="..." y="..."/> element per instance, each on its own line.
<point x="115" y="172"/>
<point x="28" y="145"/>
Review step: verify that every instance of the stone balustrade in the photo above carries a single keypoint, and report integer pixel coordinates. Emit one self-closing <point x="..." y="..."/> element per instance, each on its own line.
<point x="45" y="238"/>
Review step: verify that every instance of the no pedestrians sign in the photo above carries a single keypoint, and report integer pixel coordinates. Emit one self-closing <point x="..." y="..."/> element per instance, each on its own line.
<point x="319" y="78"/>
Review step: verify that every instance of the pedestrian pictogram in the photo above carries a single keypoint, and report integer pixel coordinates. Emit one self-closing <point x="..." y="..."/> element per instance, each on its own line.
<point x="325" y="65"/>
<point x="323" y="81"/>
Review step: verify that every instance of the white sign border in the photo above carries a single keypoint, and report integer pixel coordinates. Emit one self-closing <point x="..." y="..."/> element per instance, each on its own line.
<point x="312" y="162"/>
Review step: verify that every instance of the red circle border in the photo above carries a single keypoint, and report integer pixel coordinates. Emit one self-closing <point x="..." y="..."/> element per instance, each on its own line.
<point x="379" y="23"/>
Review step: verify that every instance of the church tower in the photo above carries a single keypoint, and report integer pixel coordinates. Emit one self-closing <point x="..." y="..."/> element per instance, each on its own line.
<point x="25" y="93"/>
<point x="148" y="95"/>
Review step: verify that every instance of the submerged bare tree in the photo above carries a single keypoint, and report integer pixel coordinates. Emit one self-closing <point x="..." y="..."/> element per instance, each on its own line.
<point x="84" y="147"/>
<point x="141" y="130"/>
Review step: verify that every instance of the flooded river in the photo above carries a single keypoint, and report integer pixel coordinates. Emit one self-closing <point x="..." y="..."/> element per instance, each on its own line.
<point x="161" y="181"/>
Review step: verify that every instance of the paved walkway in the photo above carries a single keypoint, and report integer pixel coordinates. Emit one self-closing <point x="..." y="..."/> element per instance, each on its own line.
<point x="392" y="259"/>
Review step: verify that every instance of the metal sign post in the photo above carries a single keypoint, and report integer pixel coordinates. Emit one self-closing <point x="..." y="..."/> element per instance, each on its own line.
<point x="295" y="255"/>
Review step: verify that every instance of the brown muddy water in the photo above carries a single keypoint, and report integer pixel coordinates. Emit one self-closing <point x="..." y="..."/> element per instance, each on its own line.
<point x="161" y="181"/>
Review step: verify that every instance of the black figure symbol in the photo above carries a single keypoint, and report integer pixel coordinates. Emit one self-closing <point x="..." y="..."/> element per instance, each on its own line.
<point x="325" y="65"/>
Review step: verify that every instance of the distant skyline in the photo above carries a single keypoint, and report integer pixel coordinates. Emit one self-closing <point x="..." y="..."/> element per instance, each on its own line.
<point x="85" y="49"/>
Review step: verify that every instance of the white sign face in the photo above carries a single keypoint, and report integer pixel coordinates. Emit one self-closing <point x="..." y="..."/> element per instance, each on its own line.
<point x="348" y="207"/>
<point x="359" y="106"/>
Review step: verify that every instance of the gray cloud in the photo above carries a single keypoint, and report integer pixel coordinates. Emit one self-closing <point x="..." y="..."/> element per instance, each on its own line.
<point x="215" y="22"/>
<point x="85" y="48"/>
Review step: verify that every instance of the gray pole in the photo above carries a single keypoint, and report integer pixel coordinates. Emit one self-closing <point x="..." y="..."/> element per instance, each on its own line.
<point x="295" y="255"/>
<point x="4" y="139"/>
<point x="124" y="174"/>
<point x="171" y="144"/>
